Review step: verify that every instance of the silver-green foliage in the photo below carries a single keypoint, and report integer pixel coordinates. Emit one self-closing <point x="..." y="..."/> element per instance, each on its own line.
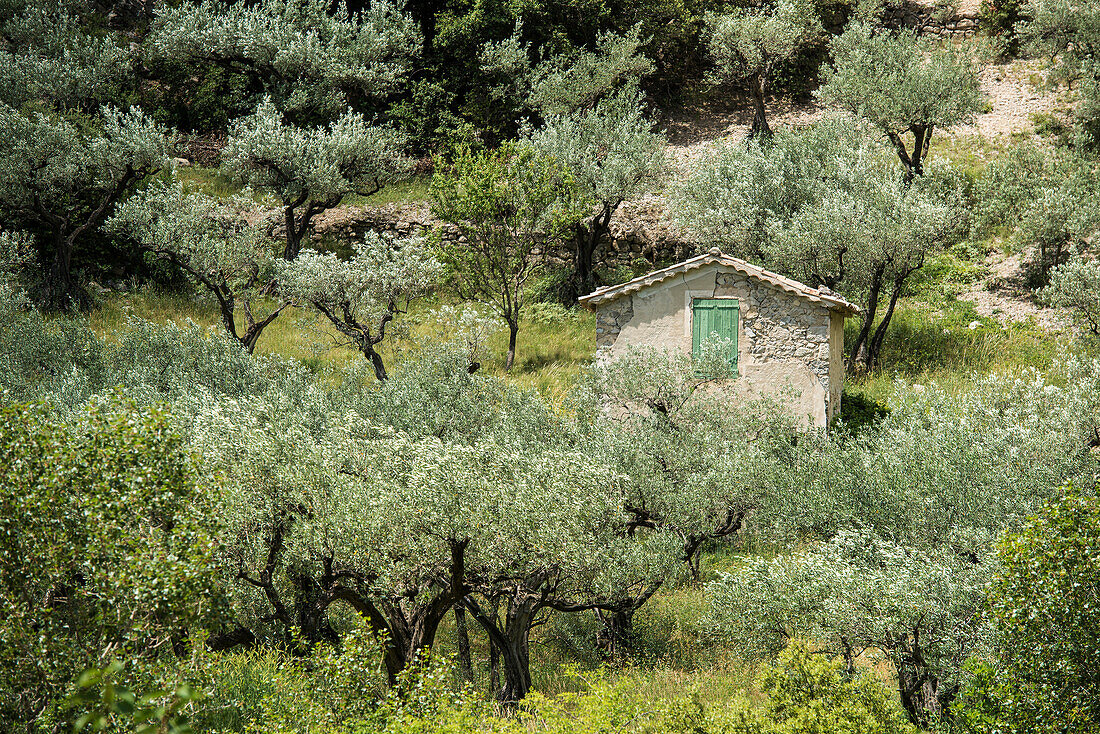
<point x="901" y="84"/>
<point x="825" y="206"/>
<point x="50" y="57"/>
<point x="61" y="179"/>
<point x="914" y="506"/>
<point x="310" y="170"/>
<point x="1045" y="201"/>
<point x="1068" y="33"/>
<point x="611" y="150"/>
<point x="362" y="295"/>
<point x="749" y="43"/>
<point x="613" y="154"/>
<point x="211" y="241"/>
<point x="1076" y="286"/>
<point x="696" y="471"/>
<point x="313" y="62"/>
<point x="593" y="122"/>
<point x="567" y="83"/>
<point x="859" y="593"/>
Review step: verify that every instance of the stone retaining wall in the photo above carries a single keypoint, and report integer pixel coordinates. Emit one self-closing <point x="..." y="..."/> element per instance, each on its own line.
<point x="929" y="20"/>
<point x="638" y="231"/>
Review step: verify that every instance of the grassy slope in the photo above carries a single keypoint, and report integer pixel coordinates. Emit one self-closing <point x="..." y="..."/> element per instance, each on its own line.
<point x="552" y="347"/>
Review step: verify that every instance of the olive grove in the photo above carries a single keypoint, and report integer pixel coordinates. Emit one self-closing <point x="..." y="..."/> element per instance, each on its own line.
<point x="301" y="429"/>
<point x="915" y="536"/>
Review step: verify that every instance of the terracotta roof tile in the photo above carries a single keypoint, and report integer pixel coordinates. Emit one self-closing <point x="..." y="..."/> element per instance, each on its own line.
<point x="717" y="257"/>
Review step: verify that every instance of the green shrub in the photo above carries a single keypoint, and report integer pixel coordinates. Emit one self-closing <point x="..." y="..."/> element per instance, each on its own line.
<point x="807" y="694"/>
<point x="101" y="703"/>
<point x="998" y="18"/>
<point x="1045" y="610"/>
<point x="857" y="411"/>
<point x="106" y="551"/>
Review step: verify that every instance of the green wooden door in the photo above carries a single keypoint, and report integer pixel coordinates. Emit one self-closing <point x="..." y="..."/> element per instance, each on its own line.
<point x="714" y="315"/>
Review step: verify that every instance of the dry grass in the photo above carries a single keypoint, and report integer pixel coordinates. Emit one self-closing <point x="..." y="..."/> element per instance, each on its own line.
<point x="550" y="354"/>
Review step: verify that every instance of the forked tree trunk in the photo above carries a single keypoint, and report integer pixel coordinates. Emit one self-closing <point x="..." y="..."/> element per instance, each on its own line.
<point x="512" y="642"/>
<point x="924" y="696"/>
<point x="913" y="162"/>
<point x="587" y="236"/>
<point x="858" y="355"/>
<point x="61" y="292"/>
<point x="296" y="227"/>
<point x="874" y="350"/>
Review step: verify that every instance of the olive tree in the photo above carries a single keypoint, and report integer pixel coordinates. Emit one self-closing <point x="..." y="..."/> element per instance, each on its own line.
<point x="50" y="57"/>
<point x="1044" y="200"/>
<point x="559" y="84"/>
<point x="509" y="206"/>
<point x="1067" y="34"/>
<point x="1076" y="286"/>
<point x="213" y="242"/>
<point x="613" y="154"/>
<point x="361" y="296"/>
<point x="312" y="58"/>
<point x="857" y="593"/>
<point x="60" y="178"/>
<point x="566" y="83"/>
<point x="824" y="206"/>
<point x="901" y="85"/>
<point x="748" y="44"/>
<point x="311" y="170"/>
<point x="402" y="525"/>
<point x="695" y="474"/>
<point x="588" y="114"/>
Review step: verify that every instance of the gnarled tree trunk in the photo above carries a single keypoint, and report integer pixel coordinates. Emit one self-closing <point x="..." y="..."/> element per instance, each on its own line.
<point x="586" y="238"/>
<point x="760" y="129"/>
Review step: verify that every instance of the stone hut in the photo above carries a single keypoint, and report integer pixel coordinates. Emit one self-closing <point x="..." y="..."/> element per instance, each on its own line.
<point x="789" y="337"/>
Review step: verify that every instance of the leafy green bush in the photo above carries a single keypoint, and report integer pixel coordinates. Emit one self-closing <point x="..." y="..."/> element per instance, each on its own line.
<point x="858" y="411"/>
<point x="1045" y="604"/>
<point x="808" y="693"/>
<point x="998" y="18"/>
<point x="102" y="703"/>
<point x="106" y="551"/>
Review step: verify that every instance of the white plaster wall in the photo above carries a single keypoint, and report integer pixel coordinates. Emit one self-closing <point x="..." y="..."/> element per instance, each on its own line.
<point x="658" y="319"/>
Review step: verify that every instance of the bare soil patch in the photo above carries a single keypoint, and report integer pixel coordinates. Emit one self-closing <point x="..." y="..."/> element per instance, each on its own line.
<point x="1004" y="297"/>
